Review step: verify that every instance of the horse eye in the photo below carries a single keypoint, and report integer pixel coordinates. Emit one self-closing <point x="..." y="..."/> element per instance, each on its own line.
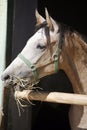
<point x="41" y="46"/>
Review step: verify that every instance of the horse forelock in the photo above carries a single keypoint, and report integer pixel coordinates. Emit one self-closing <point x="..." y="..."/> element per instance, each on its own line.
<point x="42" y="25"/>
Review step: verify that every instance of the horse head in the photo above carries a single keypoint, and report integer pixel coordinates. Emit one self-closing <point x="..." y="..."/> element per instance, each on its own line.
<point x="53" y="46"/>
<point x="37" y="58"/>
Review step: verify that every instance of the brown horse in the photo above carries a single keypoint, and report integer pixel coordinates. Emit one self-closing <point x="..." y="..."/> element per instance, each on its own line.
<point x="54" y="46"/>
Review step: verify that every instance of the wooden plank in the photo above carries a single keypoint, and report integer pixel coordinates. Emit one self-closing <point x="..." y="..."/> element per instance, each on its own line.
<point x="55" y="97"/>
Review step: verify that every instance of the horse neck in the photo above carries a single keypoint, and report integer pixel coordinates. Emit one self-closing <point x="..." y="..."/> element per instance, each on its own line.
<point x="74" y="64"/>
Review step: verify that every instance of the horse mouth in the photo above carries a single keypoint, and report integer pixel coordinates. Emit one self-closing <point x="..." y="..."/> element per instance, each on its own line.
<point x="20" y="84"/>
<point x="8" y="83"/>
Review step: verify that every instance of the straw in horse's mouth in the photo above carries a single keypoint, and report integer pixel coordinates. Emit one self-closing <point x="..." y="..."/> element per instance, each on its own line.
<point x="20" y="84"/>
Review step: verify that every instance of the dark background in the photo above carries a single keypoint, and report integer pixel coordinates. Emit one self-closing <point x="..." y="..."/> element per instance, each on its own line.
<point x="72" y="13"/>
<point x="21" y="24"/>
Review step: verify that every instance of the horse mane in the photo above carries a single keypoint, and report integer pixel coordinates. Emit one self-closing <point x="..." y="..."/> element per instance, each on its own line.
<point x="42" y="25"/>
<point x="64" y="28"/>
<point x="83" y="37"/>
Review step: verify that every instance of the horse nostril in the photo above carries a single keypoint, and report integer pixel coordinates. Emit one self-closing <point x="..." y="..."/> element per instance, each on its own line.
<point x="6" y="77"/>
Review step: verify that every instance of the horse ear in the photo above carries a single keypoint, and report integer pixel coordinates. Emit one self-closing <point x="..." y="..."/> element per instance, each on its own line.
<point x="39" y="18"/>
<point x="51" y="23"/>
<point x="55" y="25"/>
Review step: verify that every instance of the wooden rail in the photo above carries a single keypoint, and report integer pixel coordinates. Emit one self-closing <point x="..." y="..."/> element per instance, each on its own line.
<point x="55" y="97"/>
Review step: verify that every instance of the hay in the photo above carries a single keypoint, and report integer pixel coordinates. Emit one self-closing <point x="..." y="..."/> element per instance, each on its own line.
<point x="20" y="84"/>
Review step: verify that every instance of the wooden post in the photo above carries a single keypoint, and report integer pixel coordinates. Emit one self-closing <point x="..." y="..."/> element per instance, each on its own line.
<point x="55" y="97"/>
